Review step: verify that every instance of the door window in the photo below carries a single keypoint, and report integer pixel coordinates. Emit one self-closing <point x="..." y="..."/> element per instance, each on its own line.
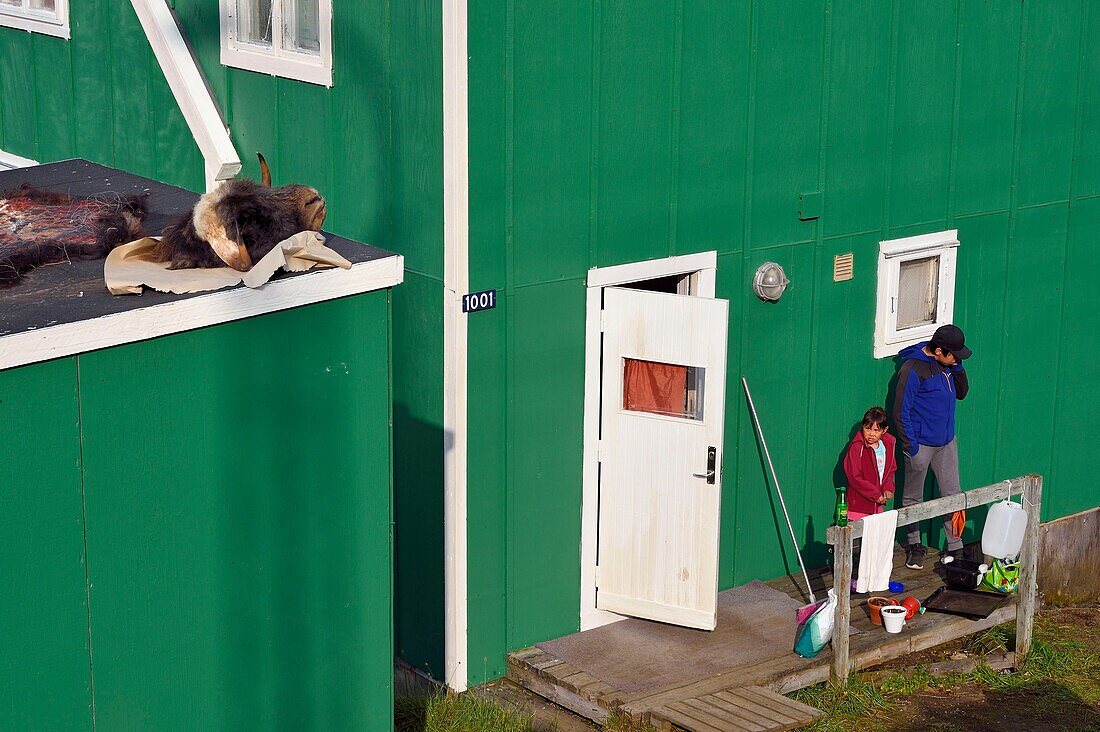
<point x="669" y="390"/>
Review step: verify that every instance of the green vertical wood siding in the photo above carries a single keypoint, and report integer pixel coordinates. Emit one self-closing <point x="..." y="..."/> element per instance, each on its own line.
<point x="100" y="95"/>
<point x="239" y="523"/>
<point x="198" y="529"/>
<point x="45" y="665"/>
<point x="418" y="474"/>
<point x="607" y="132"/>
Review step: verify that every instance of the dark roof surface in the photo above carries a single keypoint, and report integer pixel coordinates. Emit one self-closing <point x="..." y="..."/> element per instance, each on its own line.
<point x="71" y="292"/>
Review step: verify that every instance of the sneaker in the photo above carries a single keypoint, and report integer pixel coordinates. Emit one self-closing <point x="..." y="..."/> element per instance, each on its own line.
<point x="950" y="555"/>
<point x="914" y="556"/>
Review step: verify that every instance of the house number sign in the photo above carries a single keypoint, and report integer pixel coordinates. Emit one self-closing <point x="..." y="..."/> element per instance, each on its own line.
<point x="484" y="300"/>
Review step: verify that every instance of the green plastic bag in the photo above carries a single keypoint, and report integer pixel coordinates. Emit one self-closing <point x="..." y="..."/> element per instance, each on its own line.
<point x="1002" y="576"/>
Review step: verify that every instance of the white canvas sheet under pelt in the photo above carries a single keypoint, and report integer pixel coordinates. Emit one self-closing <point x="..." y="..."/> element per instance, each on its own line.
<point x="127" y="271"/>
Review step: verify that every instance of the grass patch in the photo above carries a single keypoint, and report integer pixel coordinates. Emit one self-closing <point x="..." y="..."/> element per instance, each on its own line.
<point x="842" y="704"/>
<point x="1062" y="670"/>
<point x="445" y="712"/>
<point x="448" y="712"/>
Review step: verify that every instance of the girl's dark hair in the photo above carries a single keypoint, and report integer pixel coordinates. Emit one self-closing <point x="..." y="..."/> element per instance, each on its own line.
<point x="874" y="416"/>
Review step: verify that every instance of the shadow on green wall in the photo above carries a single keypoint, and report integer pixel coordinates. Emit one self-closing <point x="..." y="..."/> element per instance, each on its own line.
<point x="418" y="543"/>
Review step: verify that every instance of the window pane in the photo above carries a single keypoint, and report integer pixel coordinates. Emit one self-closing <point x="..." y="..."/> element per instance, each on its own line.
<point x="302" y="26"/>
<point x="663" y="388"/>
<point x="918" y="291"/>
<point x="254" y="22"/>
<point x="47" y="5"/>
<point x="13" y="3"/>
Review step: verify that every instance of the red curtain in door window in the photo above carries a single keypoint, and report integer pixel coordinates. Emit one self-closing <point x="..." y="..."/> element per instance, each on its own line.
<point x="654" y="387"/>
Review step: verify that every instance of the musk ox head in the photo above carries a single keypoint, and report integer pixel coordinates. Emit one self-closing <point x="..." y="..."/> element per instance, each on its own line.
<point x="239" y="223"/>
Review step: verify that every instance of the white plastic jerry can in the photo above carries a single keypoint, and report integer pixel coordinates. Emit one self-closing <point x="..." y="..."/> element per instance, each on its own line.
<point x="1004" y="530"/>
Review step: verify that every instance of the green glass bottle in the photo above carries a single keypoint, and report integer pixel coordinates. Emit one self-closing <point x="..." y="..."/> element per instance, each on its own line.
<point x="841" y="517"/>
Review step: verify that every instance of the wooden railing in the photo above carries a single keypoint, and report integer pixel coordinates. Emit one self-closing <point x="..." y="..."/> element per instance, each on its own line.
<point x="1030" y="487"/>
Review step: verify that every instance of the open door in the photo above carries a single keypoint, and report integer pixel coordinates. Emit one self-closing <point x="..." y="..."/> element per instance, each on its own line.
<point x="661" y="413"/>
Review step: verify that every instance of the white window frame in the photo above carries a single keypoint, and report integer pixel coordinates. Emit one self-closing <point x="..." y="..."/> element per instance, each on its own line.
<point x="38" y="21"/>
<point x="278" y="61"/>
<point x="889" y="341"/>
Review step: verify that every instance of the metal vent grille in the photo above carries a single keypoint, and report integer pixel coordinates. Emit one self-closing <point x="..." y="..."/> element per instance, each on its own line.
<point x="843" y="267"/>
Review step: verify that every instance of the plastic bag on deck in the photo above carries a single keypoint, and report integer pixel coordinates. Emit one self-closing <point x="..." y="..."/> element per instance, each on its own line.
<point x="1002" y="577"/>
<point x="815" y="626"/>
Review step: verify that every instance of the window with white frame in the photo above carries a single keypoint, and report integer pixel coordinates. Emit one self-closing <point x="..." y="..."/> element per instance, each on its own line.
<point x="916" y="289"/>
<point x="50" y="17"/>
<point x="288" y="38"/>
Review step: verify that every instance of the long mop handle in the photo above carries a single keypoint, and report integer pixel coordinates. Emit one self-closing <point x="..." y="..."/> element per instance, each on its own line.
<point x="794" y="538"/>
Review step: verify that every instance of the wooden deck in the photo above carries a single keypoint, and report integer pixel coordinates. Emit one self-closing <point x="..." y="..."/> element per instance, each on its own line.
<point x="697" y="703"/>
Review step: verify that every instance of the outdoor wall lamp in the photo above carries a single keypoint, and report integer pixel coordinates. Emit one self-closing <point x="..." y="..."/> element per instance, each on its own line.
<point x="769" y="282"/>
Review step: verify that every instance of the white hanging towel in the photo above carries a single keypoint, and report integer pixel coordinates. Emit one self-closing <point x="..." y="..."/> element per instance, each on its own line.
<point x="876" y="554"/>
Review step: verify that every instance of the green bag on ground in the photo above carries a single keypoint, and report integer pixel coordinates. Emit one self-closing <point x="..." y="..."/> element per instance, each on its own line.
<point x="1002" y="576"/>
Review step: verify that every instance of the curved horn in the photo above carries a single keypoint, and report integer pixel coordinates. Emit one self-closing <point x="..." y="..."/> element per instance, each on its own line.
<point x="265" y="172"/>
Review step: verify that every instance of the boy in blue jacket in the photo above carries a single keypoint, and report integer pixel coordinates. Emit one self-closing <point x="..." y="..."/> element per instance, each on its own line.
<point x="930" y="381"/>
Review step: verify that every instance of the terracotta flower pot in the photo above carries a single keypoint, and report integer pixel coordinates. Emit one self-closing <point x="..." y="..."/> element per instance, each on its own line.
<point x="875" y="605"/>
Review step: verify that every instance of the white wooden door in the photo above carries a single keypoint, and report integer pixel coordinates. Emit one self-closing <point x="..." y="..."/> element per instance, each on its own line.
<point x="661" y="414"/>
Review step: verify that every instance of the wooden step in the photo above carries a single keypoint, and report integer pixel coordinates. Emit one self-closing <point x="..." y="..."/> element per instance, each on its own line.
<point x="553" y="679"/>
<point x="746" y="709"/>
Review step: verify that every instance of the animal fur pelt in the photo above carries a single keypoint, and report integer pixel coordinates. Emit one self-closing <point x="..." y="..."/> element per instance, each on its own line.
<point x="37" y="228"/>
<point x="239" y="223"/>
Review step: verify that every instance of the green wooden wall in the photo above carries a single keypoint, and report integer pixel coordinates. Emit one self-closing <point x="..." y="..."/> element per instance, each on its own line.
<point x="198" y="529"/>
<point x="613" y="131"/>
<point x="44" y="605"/>
<point x="372" y="144"/>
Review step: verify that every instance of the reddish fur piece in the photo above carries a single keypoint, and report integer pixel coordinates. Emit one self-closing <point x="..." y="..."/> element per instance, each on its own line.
<point x="40" y="227"/>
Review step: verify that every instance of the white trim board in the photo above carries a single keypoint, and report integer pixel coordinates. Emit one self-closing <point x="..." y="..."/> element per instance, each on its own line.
<point x="223" y="306"/>
<point x="706" y="264"/>
<point x="456" y="281"/>
<point x="189" y="87"/>
<point x="9" y="161"/>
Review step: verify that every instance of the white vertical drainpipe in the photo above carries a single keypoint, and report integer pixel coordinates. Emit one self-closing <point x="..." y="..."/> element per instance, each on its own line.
<point x="456" y="280"/>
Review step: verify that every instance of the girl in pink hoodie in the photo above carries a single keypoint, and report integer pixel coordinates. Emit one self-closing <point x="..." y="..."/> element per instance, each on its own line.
<point x="870" y="466"/>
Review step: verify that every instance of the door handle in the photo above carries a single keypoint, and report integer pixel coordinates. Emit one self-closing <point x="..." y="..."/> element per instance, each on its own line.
<point x="712" y="459"/>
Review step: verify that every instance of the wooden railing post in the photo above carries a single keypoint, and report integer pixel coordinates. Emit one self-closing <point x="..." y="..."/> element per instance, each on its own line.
<point x="1029" y="566"/>
<point x="842" y="585"/>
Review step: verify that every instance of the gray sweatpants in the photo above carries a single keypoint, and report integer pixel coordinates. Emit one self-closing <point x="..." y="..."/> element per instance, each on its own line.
<point x="944" y="462"/>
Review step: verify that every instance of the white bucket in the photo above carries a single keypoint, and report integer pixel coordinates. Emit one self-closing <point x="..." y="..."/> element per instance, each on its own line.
<point x="893" y="618"/>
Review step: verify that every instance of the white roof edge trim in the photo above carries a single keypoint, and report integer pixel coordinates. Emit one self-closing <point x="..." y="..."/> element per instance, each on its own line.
<point x="189" y="87"/>
<point x="178" y="316"/>
<point x="10" y="160"/>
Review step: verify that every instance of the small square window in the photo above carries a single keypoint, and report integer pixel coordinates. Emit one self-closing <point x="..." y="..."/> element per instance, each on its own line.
<point x="49" y="17"/>
<point x="916" y="289"/>
<point x="667" y="389"/>
<point x="287" y="38"/>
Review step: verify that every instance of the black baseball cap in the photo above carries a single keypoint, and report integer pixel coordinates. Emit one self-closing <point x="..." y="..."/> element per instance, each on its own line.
<point x="950" y="338"/>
